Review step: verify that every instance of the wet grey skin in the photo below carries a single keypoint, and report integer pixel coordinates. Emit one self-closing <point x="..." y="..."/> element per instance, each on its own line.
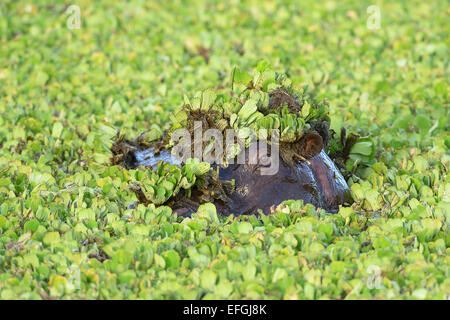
<point x="317" y="181"/>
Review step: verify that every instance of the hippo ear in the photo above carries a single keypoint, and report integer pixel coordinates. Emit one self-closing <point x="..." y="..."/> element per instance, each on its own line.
<point x="311" y="144"/>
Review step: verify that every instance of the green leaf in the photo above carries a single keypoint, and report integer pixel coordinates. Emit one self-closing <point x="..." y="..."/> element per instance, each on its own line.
<point x="241" y="77"/>
<point x="363" y="146"/>
<point x="31" y="225"/>
<point x="172" y="259"/>
<point x="208" y="279"/>
<point x="247" y="110"/>
<point x="51" y="238"/>
<point x="245" y="227"/>
<point x="209" y="96"/>
<point x="279" y="274"/>
<point x="3" y="222"/>
<point x="306" y="109"/>
<point x="57" y="130"/>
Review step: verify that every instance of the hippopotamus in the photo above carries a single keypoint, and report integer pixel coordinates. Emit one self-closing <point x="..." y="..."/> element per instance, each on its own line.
<point x="314" y="179"/>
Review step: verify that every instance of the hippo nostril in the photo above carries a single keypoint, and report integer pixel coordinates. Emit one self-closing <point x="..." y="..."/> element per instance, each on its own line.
<point x="289" y="179"/>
